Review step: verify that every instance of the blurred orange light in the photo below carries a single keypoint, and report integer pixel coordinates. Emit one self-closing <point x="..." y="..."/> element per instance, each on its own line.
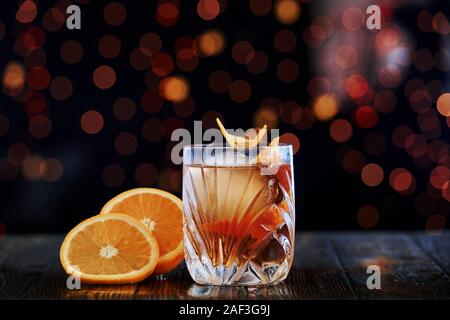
<point x="175" y="88"/>
<point x="353" y="19"/>
<point x="326" y="107"/>
<point x="211" y="43"/>
<point x="13" y="78"/>
<point x="287" y="11"/>
<point x="104" y="77"/>
<point x="443" y="104"/>
<point x="346" y="56"/>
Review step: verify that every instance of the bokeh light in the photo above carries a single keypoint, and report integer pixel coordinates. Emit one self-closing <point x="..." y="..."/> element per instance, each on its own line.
<point x="174" y="88"/>
<point x="114" y="13"/>
<point x="240" y="91"/>
<point x="92" y="122"/>
<point x="104" y="77"/>
<point x="326" y="107"/>
<point x="208" y="9"/>
<point x="61" y="88"/>
<point x="71" y="51"/>
<point x="51" y="170"/>
<point x="124" y="108"/>
<point x="27" y="12"/>
<point x="126" y="143"/>
<point x="367" y="216"/>
<point x="145" y="174"/>
<point x="210" y="43"/>
<point x="341" y="130"/>
<point x="443" y="104"/>
<point x="372" y="174"/>
<point x="109" y="46"/>
<point x="400" y="179"/>
<point x="287" y="11"/>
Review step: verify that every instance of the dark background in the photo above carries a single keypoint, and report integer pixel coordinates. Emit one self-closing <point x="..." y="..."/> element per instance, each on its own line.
<point x="328" y="196"/>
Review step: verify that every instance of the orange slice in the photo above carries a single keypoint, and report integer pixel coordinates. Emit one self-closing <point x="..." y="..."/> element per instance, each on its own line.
<point x="242" y="142"/>
<point x="109" y="249"/>
<point x="162" y="214"/>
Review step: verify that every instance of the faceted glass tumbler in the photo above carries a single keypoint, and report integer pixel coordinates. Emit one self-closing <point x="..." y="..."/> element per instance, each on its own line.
<point x="239" y="214"/>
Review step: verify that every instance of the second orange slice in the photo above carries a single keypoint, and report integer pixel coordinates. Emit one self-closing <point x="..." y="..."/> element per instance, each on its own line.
<point x="162" y="214"/>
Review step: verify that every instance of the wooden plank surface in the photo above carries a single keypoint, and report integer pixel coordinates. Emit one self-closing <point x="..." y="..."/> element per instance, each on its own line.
<point x="326" y="266"/>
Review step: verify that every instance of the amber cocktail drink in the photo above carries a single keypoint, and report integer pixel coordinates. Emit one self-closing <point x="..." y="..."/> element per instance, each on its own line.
<point x="239" y="217"/>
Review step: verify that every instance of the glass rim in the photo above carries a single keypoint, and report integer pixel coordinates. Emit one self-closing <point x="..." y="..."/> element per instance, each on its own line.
<point x="227" y="146"/>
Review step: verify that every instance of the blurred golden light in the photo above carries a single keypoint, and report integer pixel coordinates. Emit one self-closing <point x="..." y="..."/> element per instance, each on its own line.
<point x="353" y="19"/>
<point x="13" y="78"/>
<point x="341" y="130"/>
<point x="92" y="122"/>
<point x="51" y="170"/>
<point x="208" y="9"/>
<point x="346" y="56"/>
<point x="240" y="91"/>
<point x="174" y="88"/>
<point x="326" y="107"/>
<point x="367" y="216"/>
<point x="443" y="104"/>
<point x="104" y="77"/>
<point x="372" y="174"/>
<point x="211" y="43"/>
<point x="287" y="11"/>
<point x="400" y="179"/>
<point x="260" y="7"/>
<point x="27" y="12"/>
<point x="266" y="115"/>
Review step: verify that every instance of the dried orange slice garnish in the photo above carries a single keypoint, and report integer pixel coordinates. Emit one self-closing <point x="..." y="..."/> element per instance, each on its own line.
<point x="162" y="214"/>
<point x="242" y="142"/>
<point x="110" y="249"/>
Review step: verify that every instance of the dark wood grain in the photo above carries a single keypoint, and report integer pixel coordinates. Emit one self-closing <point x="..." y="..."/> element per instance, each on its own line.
<point x="326" y="266"/>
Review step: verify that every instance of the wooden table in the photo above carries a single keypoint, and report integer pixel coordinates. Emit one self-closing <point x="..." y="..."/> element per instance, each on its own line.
<point x="326" y="266"/>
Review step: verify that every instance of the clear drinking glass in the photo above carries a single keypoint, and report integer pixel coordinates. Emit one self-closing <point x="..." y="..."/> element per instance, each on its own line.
<point x="239" y="214"/>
